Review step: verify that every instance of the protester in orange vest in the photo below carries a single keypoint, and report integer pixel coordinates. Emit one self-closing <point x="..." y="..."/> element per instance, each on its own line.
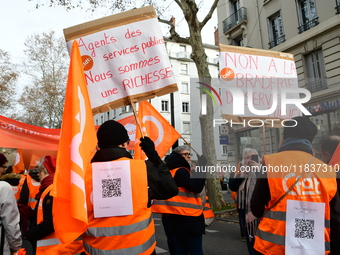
<point x="330" y="154"/>
<point x="186" y="219"/>
<point x="295" y="201"/>
<point x="42" y="235"/>
<point x="9" y="215"/>
<point x="208" y="213"/>
<point x="30" y="188"/>
<point x="243" y="183"/>
<point x="128" y="228"/>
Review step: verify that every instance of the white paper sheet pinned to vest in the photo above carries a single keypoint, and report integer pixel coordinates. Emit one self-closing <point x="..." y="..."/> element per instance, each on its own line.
<point x="305" y="228"/>
<point x="112" y="194"/>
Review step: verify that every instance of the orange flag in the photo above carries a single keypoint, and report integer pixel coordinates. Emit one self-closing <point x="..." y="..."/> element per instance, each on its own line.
<point x="76" y="148"/>
<point x="155" y="126"/>
<point x="19" y="162"/>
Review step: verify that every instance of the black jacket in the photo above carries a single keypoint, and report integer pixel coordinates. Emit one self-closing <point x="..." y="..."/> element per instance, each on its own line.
<point x="160" y="182"/>
<point x="180" y="224"/>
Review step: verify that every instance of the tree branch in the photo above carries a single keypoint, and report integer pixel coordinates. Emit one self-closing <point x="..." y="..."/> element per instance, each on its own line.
<point x="174" y="36"/>
<point x="208" y="17"/>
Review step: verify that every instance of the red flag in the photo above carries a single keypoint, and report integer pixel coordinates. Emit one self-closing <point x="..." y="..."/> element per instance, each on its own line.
<point x="76" y="148"/>
<point x="155" y="126"/>
<point x="19" y="162"/>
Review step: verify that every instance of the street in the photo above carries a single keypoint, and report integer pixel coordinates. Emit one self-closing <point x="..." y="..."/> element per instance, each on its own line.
<point x="221" y="237"/>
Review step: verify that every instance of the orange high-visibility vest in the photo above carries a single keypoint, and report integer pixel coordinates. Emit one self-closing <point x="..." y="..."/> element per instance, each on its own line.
<point x="50" y="244"/>
<point x="17" y="189"/>
<point x="207" y="211"/>
<point x="130" y="234"/>
<point x="185" y="203"/>
<point x="270" y="237"/>
<point x="33" y="188"/>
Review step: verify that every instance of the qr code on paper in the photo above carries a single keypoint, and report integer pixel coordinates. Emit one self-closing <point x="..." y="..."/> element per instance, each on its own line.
<point x="304" y="228"/>
<point x="111" y="187"/>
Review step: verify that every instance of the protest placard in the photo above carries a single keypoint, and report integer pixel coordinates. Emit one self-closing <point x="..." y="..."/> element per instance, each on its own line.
<point x="265" y="84"/>
<point x="124" y="58"/>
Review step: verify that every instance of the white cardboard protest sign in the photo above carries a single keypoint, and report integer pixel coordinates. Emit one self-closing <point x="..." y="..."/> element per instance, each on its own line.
<point x="257" y="73"/>
<point x="124" y="58"/>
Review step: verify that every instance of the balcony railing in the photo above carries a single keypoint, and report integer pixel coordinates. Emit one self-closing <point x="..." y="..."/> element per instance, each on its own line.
<point x="234" y="19"/>
<point x="337" y="8"/>
<point x="317" y="85"/>
<point x="308" y="25"/>
<point x="277" y="41"/>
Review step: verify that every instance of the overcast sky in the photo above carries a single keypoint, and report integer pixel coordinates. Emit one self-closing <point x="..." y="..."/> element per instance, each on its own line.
<point x="20" y="19"/>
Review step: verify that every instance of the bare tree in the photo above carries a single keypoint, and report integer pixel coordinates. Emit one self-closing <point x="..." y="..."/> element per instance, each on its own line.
<point x="190" y="10"/>
<point x="8" y="78"/>
<point x="43" y="97"/>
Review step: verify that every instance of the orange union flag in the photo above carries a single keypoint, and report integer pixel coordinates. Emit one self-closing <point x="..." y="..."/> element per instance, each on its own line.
<point x="155" y="126"/>
<point x="76" y="148"/>
<point x="19" y="162"/>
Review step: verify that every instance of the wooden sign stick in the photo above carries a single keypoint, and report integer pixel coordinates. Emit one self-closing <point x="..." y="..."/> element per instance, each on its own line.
<point x="135" y="114"/>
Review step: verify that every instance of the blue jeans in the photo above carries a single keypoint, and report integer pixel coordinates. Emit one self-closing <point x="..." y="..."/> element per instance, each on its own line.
<point x="189" y="244"/>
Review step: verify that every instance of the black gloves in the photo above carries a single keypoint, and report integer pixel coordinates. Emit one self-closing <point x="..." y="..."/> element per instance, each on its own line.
<point x="202" y="161"/>
<point x="148" y="147"/>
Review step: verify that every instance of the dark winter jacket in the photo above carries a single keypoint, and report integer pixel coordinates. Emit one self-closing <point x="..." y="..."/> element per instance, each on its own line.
<point x="12" y="178"/>
<point x="180" y="224"/>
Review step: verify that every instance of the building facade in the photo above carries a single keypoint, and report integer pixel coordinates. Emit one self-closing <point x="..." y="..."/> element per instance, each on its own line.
<point x="309" y="29"/>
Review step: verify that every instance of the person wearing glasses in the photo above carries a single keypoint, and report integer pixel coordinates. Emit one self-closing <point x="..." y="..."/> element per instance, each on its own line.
<point x="10" y="234"/>
<point x="185" y="211"/>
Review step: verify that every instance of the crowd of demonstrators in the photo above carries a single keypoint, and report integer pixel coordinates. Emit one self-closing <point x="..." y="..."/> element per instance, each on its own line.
<point x="42" y="235"/>
<point x="27" y="200"/>
<point x="151" y="179"/>
<point x="184" y="220"/>
<point x="243" y="183"/>
<point x="280" y="194"/>
<point x="10" y="235"/>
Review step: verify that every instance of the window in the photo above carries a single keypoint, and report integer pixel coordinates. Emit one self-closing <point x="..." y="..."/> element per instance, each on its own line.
<point x="186" y="127"/>
<point x="184" y="69"/>
<point x="316" y="75"/>
<point x="108" y="115"/>
<point x="275" y="29"/>
<point x="185" y="87"/>
<point x="101" y="119"/>
<point x="183" y="48"/>
<point x="97" y="122"/>
<point x="224" y="150"/>
<point x="165" y="106"/>
<point x="337" y="7"/>
<point x="238" y="41"/>
<point x="235" y="6"/>
<point x="185" y="107"/>
<point x="306" y="14"/>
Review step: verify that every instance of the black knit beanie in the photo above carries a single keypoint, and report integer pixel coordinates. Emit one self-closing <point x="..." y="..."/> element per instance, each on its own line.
<point x="111" y="133"/>
<point x="305" y="129"/>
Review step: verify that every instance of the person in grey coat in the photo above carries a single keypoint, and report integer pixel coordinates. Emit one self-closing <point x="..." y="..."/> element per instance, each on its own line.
<point x="10" y="235"/>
